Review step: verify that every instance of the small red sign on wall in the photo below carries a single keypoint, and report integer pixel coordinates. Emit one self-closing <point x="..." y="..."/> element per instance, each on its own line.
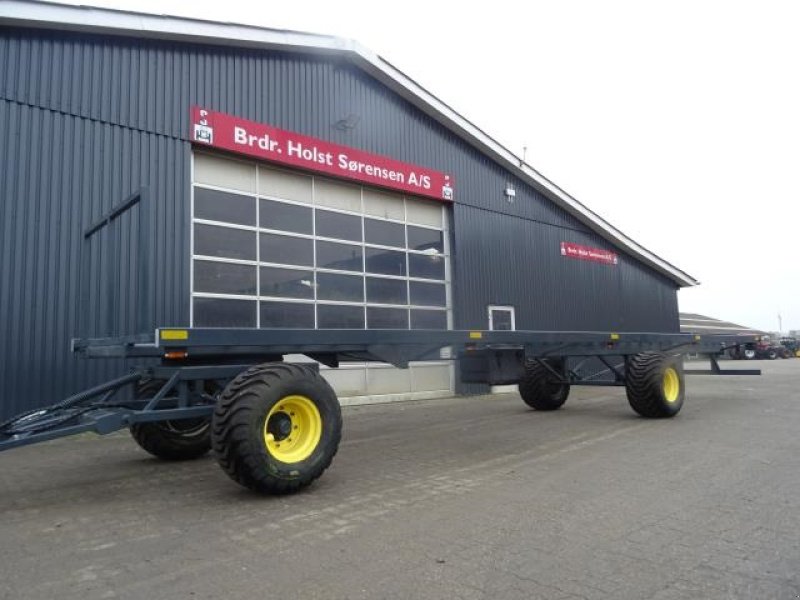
<point x="220" y="130"/>
<point x="580" y="252"/>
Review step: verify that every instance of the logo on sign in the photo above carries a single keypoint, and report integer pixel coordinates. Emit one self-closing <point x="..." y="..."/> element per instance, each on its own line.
<point x="447" y="190"/>
<point x="203" y="132"/>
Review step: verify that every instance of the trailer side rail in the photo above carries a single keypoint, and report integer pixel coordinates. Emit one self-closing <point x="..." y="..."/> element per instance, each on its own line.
<point x="396" y="347"/>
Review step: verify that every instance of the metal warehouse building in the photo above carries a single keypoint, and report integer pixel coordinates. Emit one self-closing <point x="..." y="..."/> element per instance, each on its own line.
<point x="292" y="180"/>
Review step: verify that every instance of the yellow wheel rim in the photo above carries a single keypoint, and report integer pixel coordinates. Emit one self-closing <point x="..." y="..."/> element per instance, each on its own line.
<point x="292" y="429"/>
<point x="672" y="385"/>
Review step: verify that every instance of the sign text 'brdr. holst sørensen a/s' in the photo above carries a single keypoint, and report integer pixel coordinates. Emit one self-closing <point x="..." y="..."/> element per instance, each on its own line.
<point x="228" y="132"/>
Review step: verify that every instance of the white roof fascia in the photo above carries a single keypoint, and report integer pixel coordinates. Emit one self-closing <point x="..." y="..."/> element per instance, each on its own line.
<point x="101" y="20"/>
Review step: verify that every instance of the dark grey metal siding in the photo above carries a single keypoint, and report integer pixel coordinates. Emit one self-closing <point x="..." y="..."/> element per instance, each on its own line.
<point x="59" y="173"/>
<point x="86" y="120"/>
<point x="512" y="261"/>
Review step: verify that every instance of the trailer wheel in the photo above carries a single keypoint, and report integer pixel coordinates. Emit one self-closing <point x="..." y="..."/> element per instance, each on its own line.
<point x="540" y="389"/>
<point x="276" y="427"/>
<point x="654" y="384"/>
<point x="184" y="439"/>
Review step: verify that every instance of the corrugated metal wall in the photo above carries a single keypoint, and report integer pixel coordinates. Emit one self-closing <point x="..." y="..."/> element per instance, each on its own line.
<point x="60" y="173"/>
<point x="86" y="120"/>
<point x="505" y="260"/>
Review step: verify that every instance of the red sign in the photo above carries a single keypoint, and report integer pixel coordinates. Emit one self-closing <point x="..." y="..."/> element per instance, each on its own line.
<point x="579" y="252"/>
<point x="220" y="130"/>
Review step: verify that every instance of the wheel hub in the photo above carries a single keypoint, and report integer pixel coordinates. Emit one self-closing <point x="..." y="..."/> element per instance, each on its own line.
<point x="280" y="426"/>
<point x="292" y="429"/>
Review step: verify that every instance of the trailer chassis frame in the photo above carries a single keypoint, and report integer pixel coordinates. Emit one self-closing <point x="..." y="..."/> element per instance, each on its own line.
<point x="191" y="357"/>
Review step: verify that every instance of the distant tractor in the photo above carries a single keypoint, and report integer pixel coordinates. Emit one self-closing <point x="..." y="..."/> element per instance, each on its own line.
<point x="791" y="346"/>
<point x="764" y="349"/>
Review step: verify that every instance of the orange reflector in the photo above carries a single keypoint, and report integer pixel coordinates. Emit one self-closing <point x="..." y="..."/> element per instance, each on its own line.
<point x="176" y="355"/>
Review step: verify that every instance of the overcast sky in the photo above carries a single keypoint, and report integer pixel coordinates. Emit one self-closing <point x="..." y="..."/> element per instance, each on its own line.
<point x="678" y="122"/>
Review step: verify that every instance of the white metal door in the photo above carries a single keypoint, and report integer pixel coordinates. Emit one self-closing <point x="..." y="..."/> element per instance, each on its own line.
<point x="502" y="318"/>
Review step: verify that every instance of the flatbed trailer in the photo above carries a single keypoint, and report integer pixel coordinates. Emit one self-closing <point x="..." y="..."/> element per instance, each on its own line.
<point x="275" y="426"/>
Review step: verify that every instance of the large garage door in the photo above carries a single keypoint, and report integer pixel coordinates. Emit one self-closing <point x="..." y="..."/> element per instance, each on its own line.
<point x="278" y="248"/>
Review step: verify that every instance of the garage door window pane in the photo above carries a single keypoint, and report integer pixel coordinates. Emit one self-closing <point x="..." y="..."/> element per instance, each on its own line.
<point x="384" y="233"/>
<point x="284" y="184"/>
<point x="337" y="195"/>
<point x="424" y="212"/>
<point x="287" y="250"/>
<point x="386" y="262"/>
<point x="218" y="312"/>
<point x="287" y="314"/>
<point x="428" y="319"/>
<point x="428" y="294"/>
<point x="224" y="278"/>
<point x="343" y="257"/>
<point x="221" y="172"/>
<point x="387" y="318"/>
<point x="427" y="267"/>
<point x="386" y="291"/>
<point x="225" y="207"/>
<point x="330" y="316"/>
<point x="287" y="283"/>
<point x="224" y="242"/>
<point x="338" y="225"/>
<point x="345" y="288"/>
<point x="420" y="238"/>
<point x="285" y="217"/>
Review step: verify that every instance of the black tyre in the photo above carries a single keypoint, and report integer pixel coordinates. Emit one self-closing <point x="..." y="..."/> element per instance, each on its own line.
<point x="184" y="439"/>
<point x="772" y="354"/>
<point x="540" y="389"/>
<point x="654" y="384"/>
<point x="276" y="427"/>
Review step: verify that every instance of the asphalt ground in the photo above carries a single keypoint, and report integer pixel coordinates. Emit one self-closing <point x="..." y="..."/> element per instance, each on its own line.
<point x="468" y="498"/>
